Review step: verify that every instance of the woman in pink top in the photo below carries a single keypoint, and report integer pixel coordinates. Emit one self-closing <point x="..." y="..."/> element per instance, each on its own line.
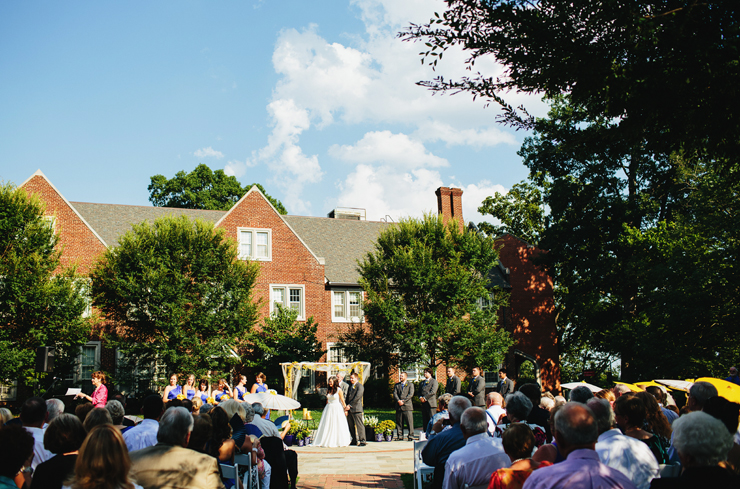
<point x="99" y="397"/>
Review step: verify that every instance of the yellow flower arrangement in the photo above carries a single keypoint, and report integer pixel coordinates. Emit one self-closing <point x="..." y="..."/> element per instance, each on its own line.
<point x="211" y="400"/>
<point x="181" y="396"/>
<point x="225" y="397"/>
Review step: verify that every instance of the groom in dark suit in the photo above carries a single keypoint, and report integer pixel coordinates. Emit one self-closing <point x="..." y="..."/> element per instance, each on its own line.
<point x="353" y="408"/>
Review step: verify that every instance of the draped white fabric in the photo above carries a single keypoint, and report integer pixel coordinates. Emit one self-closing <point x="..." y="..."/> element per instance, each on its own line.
<point x="292" y="372"/>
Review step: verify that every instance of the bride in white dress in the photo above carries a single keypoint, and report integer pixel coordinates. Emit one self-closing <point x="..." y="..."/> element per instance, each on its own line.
<point x="333" y="429"/>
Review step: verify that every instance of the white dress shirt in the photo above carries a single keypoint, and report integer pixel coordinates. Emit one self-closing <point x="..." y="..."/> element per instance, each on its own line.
<point x="40" y="454"/>
<point x="496" y="412"/>
<point x="474" y="463"/>
<point x="142" y="435"/>
<point x="628" y="455"/>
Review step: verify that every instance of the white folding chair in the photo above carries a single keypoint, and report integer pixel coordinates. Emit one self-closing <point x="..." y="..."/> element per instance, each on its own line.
<point x="251" y="478"/>
<point x="422" y="471"/>
<point x="230" y="471"/>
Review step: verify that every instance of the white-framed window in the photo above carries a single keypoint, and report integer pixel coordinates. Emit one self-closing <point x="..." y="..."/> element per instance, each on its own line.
<point x="8" y="391"/>
<point x="346" y="306"/>
<point x="485" y="302"/>
<point x="88" y="361"/>
<point x="335" y="354"/>
<point x="289" y="296"/>
<point x="255" y="244"/>
<point x="84" y="286"/>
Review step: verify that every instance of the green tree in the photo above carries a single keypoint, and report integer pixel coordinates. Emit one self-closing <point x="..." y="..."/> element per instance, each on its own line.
<point x="281" y="338"/>
<point x="202" y="189"/>
<point x="178" y="295"/>
<point x="423" y="283"/>
<point x="521" y="212"/>
<point x="41" y="303"/>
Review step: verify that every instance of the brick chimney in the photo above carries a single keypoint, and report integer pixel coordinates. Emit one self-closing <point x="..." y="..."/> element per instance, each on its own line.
<point x="449" y="202"/>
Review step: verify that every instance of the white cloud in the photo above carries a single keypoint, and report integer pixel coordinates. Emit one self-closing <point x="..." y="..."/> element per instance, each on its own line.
<point x="440" y="131"/>
<point x="389" y="149"/>
<point x="473" y="196"/>
<point x="208" y="152"/>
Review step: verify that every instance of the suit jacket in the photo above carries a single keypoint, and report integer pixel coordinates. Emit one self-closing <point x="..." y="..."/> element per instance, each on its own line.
<point x="453" y="385"/>
<point x="405" y="394"/>
<point x="354" y="398"/>
<point x="506" y="388"/>
<point x="428" y="391"/>
<point x="174" y="467"/>
<point x="477" y="391"/>
<point x="345" y="388"/>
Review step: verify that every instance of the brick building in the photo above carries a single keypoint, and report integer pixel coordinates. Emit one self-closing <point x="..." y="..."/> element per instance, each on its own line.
<point x="308" y="263"/>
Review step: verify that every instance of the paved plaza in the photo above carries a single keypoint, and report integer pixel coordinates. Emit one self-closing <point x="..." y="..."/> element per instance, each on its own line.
<point x="377" y="465"/>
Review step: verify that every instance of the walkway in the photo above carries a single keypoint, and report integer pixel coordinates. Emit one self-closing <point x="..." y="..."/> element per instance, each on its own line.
<point x="377" y="465"/>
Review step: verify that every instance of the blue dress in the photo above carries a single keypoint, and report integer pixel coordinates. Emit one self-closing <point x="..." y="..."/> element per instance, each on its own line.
<point x="190" y="394"/>
<point x="240" y="393"/>
<point x="204" y="397"/>
<point x="174" y="393"/>
<point x="219" y="396"/>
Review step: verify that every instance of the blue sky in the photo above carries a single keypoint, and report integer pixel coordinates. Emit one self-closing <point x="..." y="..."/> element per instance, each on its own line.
<point x="314" y="100"/>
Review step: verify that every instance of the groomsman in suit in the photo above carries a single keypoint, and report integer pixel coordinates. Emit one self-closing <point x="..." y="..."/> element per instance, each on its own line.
<point x="342" y="384"/>
<point x="505" y="384"/>
<point x="453" y="382"/>
<point x="403" y="392"/>
<point x="353" y="408"/>
<point x="428" y="397"/>
<point x="477" y="389"/>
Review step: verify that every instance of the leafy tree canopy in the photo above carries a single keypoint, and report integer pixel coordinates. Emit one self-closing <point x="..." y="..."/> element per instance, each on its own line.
<point x="281" y="338"/>
<point x="521" y="212"/>
<point x="41" y="303"/>
<point x="178" y="294"/>
<point x="202" y="189"/>
<point x="423" y="281"/>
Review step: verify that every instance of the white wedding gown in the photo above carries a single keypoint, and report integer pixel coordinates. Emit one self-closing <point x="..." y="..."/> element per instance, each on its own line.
<point x="333" y="429"/>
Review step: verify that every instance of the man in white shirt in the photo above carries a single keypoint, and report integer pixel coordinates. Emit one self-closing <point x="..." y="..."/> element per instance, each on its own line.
<point x="145" y="433"/>
<point x="481" y="456"/>
<point x="267" y="428"/>
<point x="628" y="455"/>
<point x="33" y="417"/>
<point x="494" y="410"/>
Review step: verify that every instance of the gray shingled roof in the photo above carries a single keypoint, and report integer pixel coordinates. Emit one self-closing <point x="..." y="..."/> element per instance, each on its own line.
<point x="111" y="221"/>
<point x="341" y="242"/>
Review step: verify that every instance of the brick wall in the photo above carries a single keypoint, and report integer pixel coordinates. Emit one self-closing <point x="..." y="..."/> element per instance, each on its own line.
<point x="449" y="204"/>
<point x="80" y="244"/>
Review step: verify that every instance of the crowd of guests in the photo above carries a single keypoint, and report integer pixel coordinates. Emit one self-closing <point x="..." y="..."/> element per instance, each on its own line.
<point x="179" y="443"/>
<point x="614" y="438"/>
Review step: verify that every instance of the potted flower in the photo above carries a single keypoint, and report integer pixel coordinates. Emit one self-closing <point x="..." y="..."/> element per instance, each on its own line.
<point x="388" y="430"/>
<point x="371" y="423"/>
<point x="293" y="433"/>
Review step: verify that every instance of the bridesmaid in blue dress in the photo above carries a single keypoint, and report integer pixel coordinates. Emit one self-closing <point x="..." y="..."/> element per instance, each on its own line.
<point x="222" y="390"/>
<point x="171" y="391"/>
<point x="260" y="386"/>
<point x="240" y="389"/>
<point x="190" y="387"/>
<point x="203" y="391"/>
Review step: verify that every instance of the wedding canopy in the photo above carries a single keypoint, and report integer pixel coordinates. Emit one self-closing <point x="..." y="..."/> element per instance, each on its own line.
<point x="292" y="372"/>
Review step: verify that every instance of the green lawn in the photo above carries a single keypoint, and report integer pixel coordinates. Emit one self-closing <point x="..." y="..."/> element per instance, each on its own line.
<point x="382" y="414"/>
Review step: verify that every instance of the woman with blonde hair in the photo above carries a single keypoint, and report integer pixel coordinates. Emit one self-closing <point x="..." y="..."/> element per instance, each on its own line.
<point x="103" y="461"/>
<point x="189" y="387"/>
<point x="5" y="416"/>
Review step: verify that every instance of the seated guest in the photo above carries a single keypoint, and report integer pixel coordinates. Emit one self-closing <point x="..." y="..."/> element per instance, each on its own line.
<point x="518" y="442"/>
<point x="628" y="455"/>
<point x="63" y="438"/>
<point x="103" y="461"/>
<point x="660" y="397"/>
<point x="197" y="404"/>
<point x="629" y="411"/>
<point x="16" y="453"/>
<point x="581" y="394"/>
<point x="168" y="464"/>
<point x="699" y="393"/>
<point x="33" y="417"/>
<point x="494" y="409"/>
<point x="145" y="433"/>
<point x="537" y="416"/>
<point x="205" y="408"/>
<point x="267" y="427"/>
<point x="442" y="402"/>
<point x="240" y="416"/>
<point x="96" y="417"/>
<point x="550" y="452"/>
<point x="82" y="410"/>
<point x="606" y="394"/>
<point x="221" y="446"/>
<point x="54" y="407"/>
<point x="702" y="442"/>
<point x="619" y="390"/>
<point x="576" y="433"/>
<point x="438" y="449"/>
<point x="655" y="421"/>
<point x="116" y="411"/>
<point x="187" y="404"/>
<point x="547" y="404"/>
<point x="482" y="455"/>
<point x="729" y="413"/>
<point x="264" y="471"/>
<point x="518" y="407"/>
<point x="202" y="432"/>
<point x="5" y="416"/>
